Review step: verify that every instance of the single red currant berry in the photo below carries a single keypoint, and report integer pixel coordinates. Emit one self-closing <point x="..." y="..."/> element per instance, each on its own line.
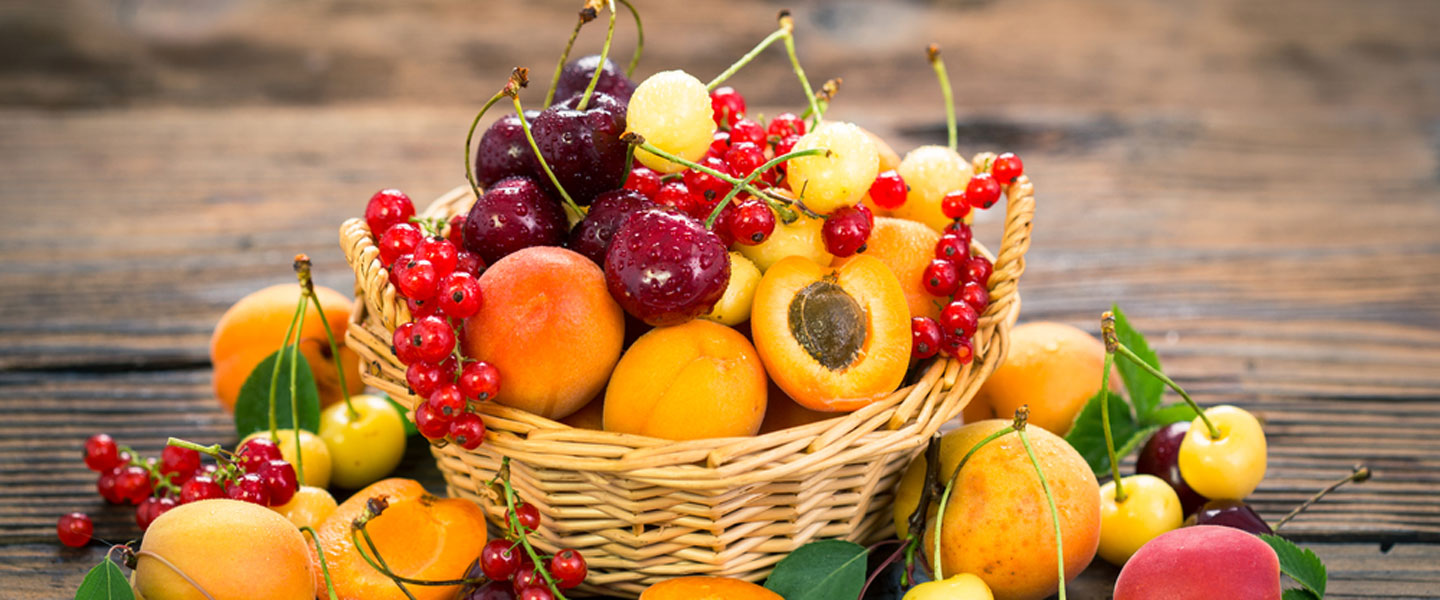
<point x="869" y="218"/>
<point x="151" y="509"/>
<point x="525" y="576"/>
<point x="975" y="295"/>
<point x="456" y="232"/>
<point x="959" y="319"/>
<point x="132" y="484"/>
<point x="467" y="262"/>
<point x="418" y="278"/>
<point x="719" y="144"/>
<point x="249" y="487"/>
<point x="744" y="158"/>
<point x="404" y="342"/>
<point x="180" y="462"/>
<point x="280" y="481"/>
<point x="429" y="422"/>
<point x="479" y="380"/>
<point x="785" y="124"/>
<point x="447" y="402"/>
<point x="434" y="339"/>
<point x="536" y="592"/>
<point x="845" y="231"/>
<point x="728" y="104"/>
<point x="747" y="130"/>
<point x="643" y="180"/>
<point x="977" y="269"/>
<point x="200" y="487"/>
<point x="676" y="194"/>
<point x="568" y="568"/>
<point x="105" y="485"/>
<point x="528" y="515"/>
<point x="499" y="559"/>
<point x="423" y="308"/>
<point x="785" y="145"/>
<point x="399" y="241"/>
<point x="1007" y="168"/>
<point x="422" y="378"/>
<point x="954" y="205"/>
<point x="953" y="248"/>
<point x="460" y="295"/>
<point x="959" y="348"/>
<point x="982" y="191"/>
<point x="941" y="278"/>
<point x="962" y="231"/>
<point x="888" y="191"/>
<point x="440" y="252"/>
<point x="707" y="186"/>
<point x="468" y="431"/>
<point x="752" y="223"/>
<point x="101" y="453"/>
<point x="256" y="452"/>
<point x="925" y="337"/>
<point x="386" y="208"/>
<point x="75" y="529"/>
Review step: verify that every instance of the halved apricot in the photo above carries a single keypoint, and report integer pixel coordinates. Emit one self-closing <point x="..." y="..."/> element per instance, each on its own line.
<point x="834" y="339"/>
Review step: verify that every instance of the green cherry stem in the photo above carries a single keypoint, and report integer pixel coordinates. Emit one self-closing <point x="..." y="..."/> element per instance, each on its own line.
<point x="1107" y="331"/>
<point x="1129" y="354"/>
<point x="933" y="53"/>
<point x="745" y="60"/>
<point x="275" y="372"/>
<point x="939" y="565"/>
<point x="599" y="67"/>
<point x="639" y="39"/>
<point x="629" y="163"/>
<point x="383" y="568"/>
<point x="324" y="565"/>
<point x="634" y="139"/>
<point x="735" y="189"/>
<point x="294" y="404"/>
<point x="787" y="24"/>
<point x="1049" y="497"/>
<point x="587" y="14"/>
<point x="307" y="286"/>
<point x="525" y="125"/>
<point x="470" y="137"/>
<point x="1358" y="473"/>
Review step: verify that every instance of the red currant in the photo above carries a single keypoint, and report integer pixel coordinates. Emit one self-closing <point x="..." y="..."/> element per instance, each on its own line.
<point x="728" y="104"/>
<point x="429" y="422"/>
<point x="423" y="308"/>
<point x="386" y="208"/>
<point x="467" y="262"/>
<point x="132" y="484"/>
<point x="499" y="559"/>
<point x="418" y="278"/>
<point x="105" y="485"/>
<point x="888" y="190"/>
<point x="941" y="278"/>
<point x="1007" y="168"/>
<point x="280" y="481"/>
<point x="959" y="319"/>
<point x="747" y="130"/>
<point x="180" y="462"/>
<point x="785" y="145"/>
<point x="977" y="269"/>
<point x="255" y="452"/>
<point x="528" y="515"/>
<point x="536" y="592"/>
<point x="643" y="180"/>
<point x="434" y="339"/>
<point x="744" y="158"/>
<point x="151" y="509"/>
<point x="975" y="295"/>
<point x="251" y="488"/>
<point x="676" y="194"/>
<point x="200" y="487"/>
<point x="959" y="348"/>
<point x="399" y="241"/>
<point x="786" y="124"/>
<point x="719" y="144"/>
<point x="752" y="223"/>
<point x="456" y="232"/>
<point x="846" y="231"/>
<point x="709" y="187"/>
<point x="75" y="529"/>
<point x="447" y="402"/>
<point x="404" y="342"/>
<point x="982" y="191"/>
<point x="479" y="380"/>
<point x="952" y="248"/>
<point x="526" y="576"/>
<point x="961" y="230"/>
<point x="460" y="295"/>
<point x="568" y="568"/>
<point x="954" y="205"/>
<point x="925" y="337"/>
<point x="468" y="430"/>
<point x="101" y="453"/>
<point x="422" y="378"/>
<point x="440" y="252"/>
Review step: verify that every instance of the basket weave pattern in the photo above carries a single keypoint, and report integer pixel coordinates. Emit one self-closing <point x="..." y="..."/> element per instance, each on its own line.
<point x="642" y="510"/>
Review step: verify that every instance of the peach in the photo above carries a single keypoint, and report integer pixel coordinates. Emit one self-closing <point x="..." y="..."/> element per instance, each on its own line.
<point x="906" y="247"/>
<point x="551" y="328"/>
<point x="707" y="588"/>
<point x="1199" y="563"/>
<point x="230" y="548"/>
<point x="998" y="524"/>
<point x="255" y="327"/>
<point x="692" y="381"/>
<point x="1052" y="367"/>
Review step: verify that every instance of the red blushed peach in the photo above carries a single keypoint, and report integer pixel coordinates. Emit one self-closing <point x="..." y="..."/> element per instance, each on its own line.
<point x="1200" y="563"/>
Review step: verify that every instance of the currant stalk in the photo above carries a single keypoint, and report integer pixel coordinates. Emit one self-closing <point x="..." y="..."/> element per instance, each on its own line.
<point x="639" y="39"/>
<point x="521" y="531"/>
<point x="587" y="14"/>
<point x="600" y="66"/>
<point x="933" y="53"/>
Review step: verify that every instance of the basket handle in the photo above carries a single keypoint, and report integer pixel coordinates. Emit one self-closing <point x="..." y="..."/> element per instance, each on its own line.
<point x="1014" y="242"/>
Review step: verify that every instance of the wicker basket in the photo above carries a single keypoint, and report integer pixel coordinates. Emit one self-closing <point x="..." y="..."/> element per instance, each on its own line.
<point x="642" y="510"/>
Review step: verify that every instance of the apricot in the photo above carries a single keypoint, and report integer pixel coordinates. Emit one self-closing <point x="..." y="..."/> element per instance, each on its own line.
<point x="692" y="381"/>
<point x="931" y="172"/>
<point x="315" y="453"/>
<point x="802" y="238"/>
<point x="734" y="307"/>
<point x="782" y="412"/>
<point x="232" y="549"/>
<point x="419" y="536"/>
<point x="997" y="524"/>
<point x="834" y="339"/>
<point x="906" y="247"/>
<point x="1052" y="367"/>
<point x="551" y="328"/>
<point x="707" y="588"/>
<point x="1199" y="563"/>
<point x="590" y="416"/>
<point x="255" y="327"/>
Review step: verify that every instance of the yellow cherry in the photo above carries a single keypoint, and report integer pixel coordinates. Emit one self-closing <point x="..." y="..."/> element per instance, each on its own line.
<point x="1230" y="466"/>
<point x="959" y="587"/>
<point x="671" y="109"/>
<point x="734" y="307"/>
<point x="365" y="445"/>
<point x="1151" y="507"/>
<point x="828" y="182"/>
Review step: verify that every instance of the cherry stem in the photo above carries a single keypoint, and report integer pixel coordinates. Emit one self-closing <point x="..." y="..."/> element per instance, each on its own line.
<point x="735" y="188"/>
<point x="520" y="531"/>
<point x="324" y="565"/>
<point x="525" y="125"/>
<point x="1107" y="331"/>
<point x="587" y="14"/>
<point x="1049" y="498"/>
<point x="900" y="551"/>
<point x="933" y="53"/>
<point x="629" y="163"/>
<point x="1126" y="352"/>
<point x="275" y="372"/>
<point x="928" y="491"/>
<point x="1358" y="474"/>
<point x="634" y="139"/>
<point x="599" y="67"/>
<point x="294" y="401"/>
<point x="787" y="24"/>
<point x="470" y="137"/>
<point x="745" y="60"/>
<point x="939" y="565"/>
<point x="383" y="568"/>
<point x="639" y="39"/>
<point x="307" y="285"/>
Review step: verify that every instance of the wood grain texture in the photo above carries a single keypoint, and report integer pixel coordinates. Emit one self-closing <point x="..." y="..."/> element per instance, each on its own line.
<point x="1257" y="184"/>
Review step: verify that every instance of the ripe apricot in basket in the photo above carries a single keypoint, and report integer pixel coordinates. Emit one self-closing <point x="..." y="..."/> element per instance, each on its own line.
<point x="998" y="524"/>
<point x="254" y="327"/>
<point x="835" y="339"/>
<point x="1052" y="367"/>
<point x="419" y="536"/>
<point x="685" y="382"/>
<point x="549" y="326"/>
<point x="231" y="548"/>
<point x="906" y="247"/>
<point x="707" y="588"/>
<point x="781" y="412"/>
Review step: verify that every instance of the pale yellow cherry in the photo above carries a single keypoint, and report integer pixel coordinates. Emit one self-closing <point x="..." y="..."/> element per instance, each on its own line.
<point x="734" y="307"/>
<point x="366" y="443"/>
<point x="1150" y="508"/>
<point x="1228" y="466"/>
<point x="315" y="453"/>
<point x="309" y="507"/>
<point x="931" y="172"/>
<point x="800" y="238"/>
<point x="959" y="587"/>
<point x="671" y="109"/>
<point x="840" y="177"/>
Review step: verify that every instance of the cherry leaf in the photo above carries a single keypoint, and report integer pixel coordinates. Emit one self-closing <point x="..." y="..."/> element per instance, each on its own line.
<point x="1087" y="435"/>
<point x="104" y="582"/>
<point x="1299" y="563"/>
<point x="410" y="428"/>
<point x="822" y="570"/>
<point x="252" y="410"/>
<point x="1142" y="387"/>
<point x="1171" y="413"/>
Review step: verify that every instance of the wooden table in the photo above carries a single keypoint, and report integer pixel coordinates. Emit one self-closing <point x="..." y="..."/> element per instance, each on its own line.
<point x="1255" y="183"/>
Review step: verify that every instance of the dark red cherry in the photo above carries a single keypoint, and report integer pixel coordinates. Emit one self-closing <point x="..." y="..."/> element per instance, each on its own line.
<point x="513" y="214"/>
<point x="1232" y="513"/>
<point x="591" y="236"/>
<point x="575" y="77"/>
<point x="504" y="151"/>
<point x="492" y="590"/>
<point x="1159" y="457"/>
<point x="583" y="148"/>
<point x="666" y="268"/>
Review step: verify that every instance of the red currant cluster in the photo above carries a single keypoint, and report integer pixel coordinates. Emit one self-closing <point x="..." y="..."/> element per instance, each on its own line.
<point x="956" y="272"/>
<point x="508" y="560"/>
<point x="439" y="283"/>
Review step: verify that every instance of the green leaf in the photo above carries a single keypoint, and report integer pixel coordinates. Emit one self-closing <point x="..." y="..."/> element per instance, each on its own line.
<point x="1298" y="594"/>
<point x="252" y="410"/>
<point x="822" y="570"/>
<point x="1170" y="413"/>
<point x="1300" y="564"/>
<point x="410" y="428"/>
<point x="1087" y="435"/>
<point x="104" y="582"/>
<point x="1144" y="389"/>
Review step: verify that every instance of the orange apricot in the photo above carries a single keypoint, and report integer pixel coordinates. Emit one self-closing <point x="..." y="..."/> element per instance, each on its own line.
<point x="254" y="327"/>
<point x="707" y="588"/>
<point x="906" y="247"/>
<point x="834" y="339"/>
<point x="419" y="536"/>
<point x="782" y="412"/>
<point x="551" y="328"/>
<point x="232" y="549"/>
<point x="590" y="416"/>
<point x="1052" y="367"/>
<point x="692" y="381"/>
